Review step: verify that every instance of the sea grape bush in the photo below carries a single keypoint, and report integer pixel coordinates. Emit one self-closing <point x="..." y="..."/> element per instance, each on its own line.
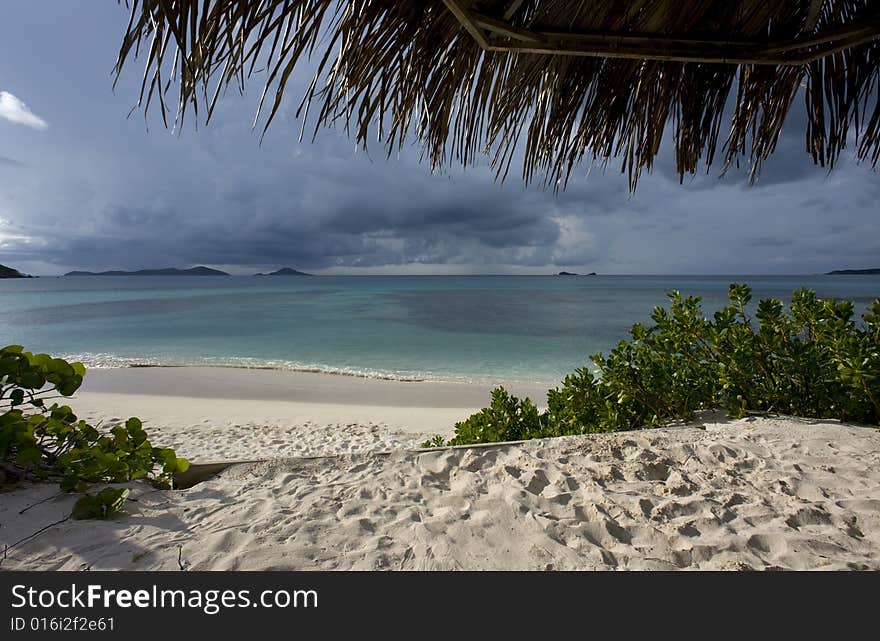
<point x="40" y="441"/>
<point x="814" y="360"/>
<point x="506" y="419"/>
<point x="105" y="503"/>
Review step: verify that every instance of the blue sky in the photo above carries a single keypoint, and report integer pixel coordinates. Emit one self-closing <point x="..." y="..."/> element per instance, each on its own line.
<point x="85" y="186"/>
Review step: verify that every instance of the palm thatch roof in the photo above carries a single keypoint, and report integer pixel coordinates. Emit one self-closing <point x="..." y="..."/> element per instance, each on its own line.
<point x="555" y="82"/>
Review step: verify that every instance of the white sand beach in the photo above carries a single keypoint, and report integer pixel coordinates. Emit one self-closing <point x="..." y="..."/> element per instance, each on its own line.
<point x="223" y="414"/>
<point x="338" y="484"/>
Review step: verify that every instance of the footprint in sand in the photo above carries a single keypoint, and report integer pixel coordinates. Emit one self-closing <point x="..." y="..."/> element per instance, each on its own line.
<point x="807" y="516"/>
<point x="689" y="530"/>
<point x="767" y="544"/>
<point x="658" y="471"/>
<point x="538" y="483"/>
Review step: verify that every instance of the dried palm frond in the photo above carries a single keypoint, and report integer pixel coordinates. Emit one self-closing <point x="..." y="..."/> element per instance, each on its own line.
<point x="555" y="81"/>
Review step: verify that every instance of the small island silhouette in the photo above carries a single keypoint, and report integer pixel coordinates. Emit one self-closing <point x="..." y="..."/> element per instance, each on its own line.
<point x="855" y="272"/>
<point x="168" y="271"/>
<point x="285" y="271"/>
<point x="9" y="272"/>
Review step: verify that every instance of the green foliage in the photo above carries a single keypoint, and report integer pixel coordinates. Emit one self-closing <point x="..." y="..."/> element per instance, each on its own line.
<point x="435" y="441"/>
<point x="577" y="406"/>
<point x="102" y="505"/>
<point x="813" y="361"/>
<point x="506" y="419"/>
<point x="42" y="441"/>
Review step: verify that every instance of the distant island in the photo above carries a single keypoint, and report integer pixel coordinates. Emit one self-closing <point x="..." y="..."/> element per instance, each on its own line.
<point x="286" y="271"/>
<point x="855" y="272"/>
<point x="8" y="272"/>
<point x="573" y="274"/>
<point x="169" y="271"/>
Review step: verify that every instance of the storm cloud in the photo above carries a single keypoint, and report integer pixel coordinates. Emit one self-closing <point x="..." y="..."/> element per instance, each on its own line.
<point x="99" y="190"/>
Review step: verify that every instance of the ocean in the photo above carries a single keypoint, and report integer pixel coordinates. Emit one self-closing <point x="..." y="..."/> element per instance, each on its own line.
<point x="467" y="328"/>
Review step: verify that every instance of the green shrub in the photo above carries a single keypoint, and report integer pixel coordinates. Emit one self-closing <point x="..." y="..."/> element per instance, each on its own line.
<point x="102" y="505"/>
<point x="48" y="442"/>
<point x="816" y="360"/>
<point x="434" y="441"/>
<point x="506" y="419"/>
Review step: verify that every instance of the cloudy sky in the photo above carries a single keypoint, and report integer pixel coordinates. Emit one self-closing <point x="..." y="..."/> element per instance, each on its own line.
<point x="84" y="186"/>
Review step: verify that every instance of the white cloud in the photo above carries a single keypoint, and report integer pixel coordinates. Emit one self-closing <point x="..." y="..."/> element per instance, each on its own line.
<point x="576" y="244"/>
<point x="15" y="111"/>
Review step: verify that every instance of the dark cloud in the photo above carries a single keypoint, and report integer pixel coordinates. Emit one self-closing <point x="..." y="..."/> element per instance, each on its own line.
<point x="768" y="241"/>
<point x="99" y="191"/>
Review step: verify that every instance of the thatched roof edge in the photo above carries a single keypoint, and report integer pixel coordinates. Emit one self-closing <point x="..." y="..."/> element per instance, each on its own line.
<point x="553" y="81"/>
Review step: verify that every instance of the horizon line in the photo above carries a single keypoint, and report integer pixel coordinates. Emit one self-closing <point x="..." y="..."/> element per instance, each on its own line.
<point x="473" y="274"/>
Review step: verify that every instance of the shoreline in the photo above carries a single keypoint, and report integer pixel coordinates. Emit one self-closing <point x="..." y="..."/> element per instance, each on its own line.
<point x="101" y="362"/>
<point x="281" y="385"/>
<point x="215" y="414"/>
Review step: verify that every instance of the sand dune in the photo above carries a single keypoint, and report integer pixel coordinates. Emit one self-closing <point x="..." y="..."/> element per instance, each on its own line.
<point x="756" y="493"/>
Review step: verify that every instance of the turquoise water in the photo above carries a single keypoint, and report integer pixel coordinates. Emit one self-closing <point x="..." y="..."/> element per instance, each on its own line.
<point x="526" y="328"/>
